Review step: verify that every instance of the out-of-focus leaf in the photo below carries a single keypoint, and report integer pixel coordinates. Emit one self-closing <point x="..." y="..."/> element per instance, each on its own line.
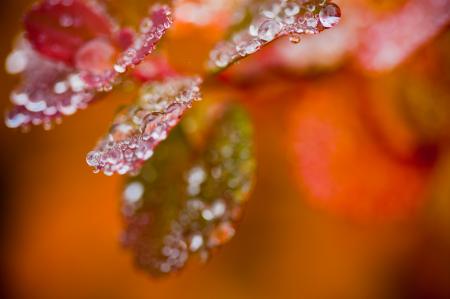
<point x="139" y="128"/>
<point x="131" y="11"/>
<point x="187" y="200"/>
<point x="57" y="29"/>
<point x="342" y="168"/>
<point x="390" y="40"/>
<point x="265" y="21"/>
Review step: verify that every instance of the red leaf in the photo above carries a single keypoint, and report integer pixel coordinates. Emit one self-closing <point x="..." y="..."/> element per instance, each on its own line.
<point x="52" y="88"/>
<point x="342" y="168"/>
<point x="59" y="28"/>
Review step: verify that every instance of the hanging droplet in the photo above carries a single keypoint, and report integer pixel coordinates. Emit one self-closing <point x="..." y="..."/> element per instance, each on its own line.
<point x="294" y="38"/>
<point x="93" y="158"/>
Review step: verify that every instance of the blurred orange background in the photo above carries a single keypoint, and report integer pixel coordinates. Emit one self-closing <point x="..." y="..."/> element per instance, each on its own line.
<point x="337" y="212"/>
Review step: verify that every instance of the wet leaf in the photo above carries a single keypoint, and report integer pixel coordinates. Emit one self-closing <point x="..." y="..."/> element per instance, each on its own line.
<point x="266" y="21"/>
<point x="48" y="91"/>
<point x="139" y="128"/>
<point x="59" y="84"/>
<point x="188" y="200"/>
<point x="390" y="40"/>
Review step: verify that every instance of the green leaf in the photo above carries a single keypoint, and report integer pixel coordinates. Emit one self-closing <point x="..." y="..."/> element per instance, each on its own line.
<point x="187" y="199"/>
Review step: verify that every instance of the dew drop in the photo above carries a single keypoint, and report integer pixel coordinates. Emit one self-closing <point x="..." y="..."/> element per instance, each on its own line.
<point x="294" y="38"/>
<point x="16" y="62"/>
<point x="15" y="120"/>
<point x="310" y="7"/>
<point x="291" y="9"/>
<point x="143" y="152"/>
<point x="222" y="59"/>
<point x="36" y="106"/>
<point x="60" y="87"/>
<point x="196" y="242"/>
<point x="269" y="29"/>
<point x="119" y="68"/>
<point x="248" y="47"/>
<point x="133" y="192"/>
<point x="19" y="98"/>
<point x="76" y="83"/>
<point x="330" y="15"/>
<point x="146" y="25"/>
<point x="93" y="158"/>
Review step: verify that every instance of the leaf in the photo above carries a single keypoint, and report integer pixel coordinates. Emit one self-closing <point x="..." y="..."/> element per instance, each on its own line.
<point x="139" y="128"/>
<point x="267" y="22"/>
<point x="52" y="88"/>
<point x="342" y="168"/>
<point x="186" y="200"/>
<point x="48" y="91"/>
<point x="57" y="29"/>
<point x="390" y="40"/>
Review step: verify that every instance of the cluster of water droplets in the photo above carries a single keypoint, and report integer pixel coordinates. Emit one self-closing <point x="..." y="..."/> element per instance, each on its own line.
<point x="49" y="90"/>
<point x="151" y="30"/>
<point x="138" y="129"/>
<point x="275" y="19"/>
<point x="216" y="187"/>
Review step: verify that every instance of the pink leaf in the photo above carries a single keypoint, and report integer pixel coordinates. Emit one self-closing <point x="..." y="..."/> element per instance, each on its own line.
<point x="151" y="31"/>
<point x="390" y="40"/>
<point x="48" y="91"/>
<point x="138" y="129"/>
<point x="52" y="88"/>
<point x="271" y="21"/>
<point x="58" y="28"/>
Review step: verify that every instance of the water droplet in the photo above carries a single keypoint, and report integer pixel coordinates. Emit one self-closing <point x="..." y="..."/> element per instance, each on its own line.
<point x="144" y="152"/>
<point x="271" y="11"/>
<point x="291" y="9"/>
<point x="254" y="27"/>
<point x="60" y="87"/>
<point x="133" y="192"/>
<point x="221" y="58"/>
<point x="196" y="242"/>
<point x="113" y="156"/>
<point x="218" y="208"/>
<point x="93" y="158"/>
<point x="15" y="120"/>
<point x="16" y="62"/>
<point x="19" y="98"/>
<point x="330" y="15"/>
<point x="269" y="29"/>
<point x="294" y="38"/>
<point x="311" y="20"/>
<point x="36" y="106"/>
<point x="248" y="47"/>
<point x="310" y="7"/>
<point x="146" y="25"/>
<point x="76" y="83"/>
<point x="119" y="68"/>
